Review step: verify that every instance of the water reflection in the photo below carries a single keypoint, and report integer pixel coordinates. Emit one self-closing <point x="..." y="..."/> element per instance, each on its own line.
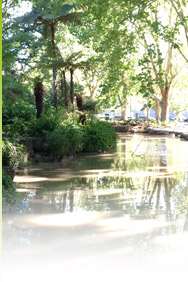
<point x="127" y="203"/>
<point x="140" y="180"/>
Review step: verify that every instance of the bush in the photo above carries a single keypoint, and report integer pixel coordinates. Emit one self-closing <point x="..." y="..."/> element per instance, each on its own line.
<point x="17" y="117"/>
<point x="66" y="139"/>
<point x="12" y="155"/>
<point x="99" y="136"/>
<point x="48" y="121"/>
<point x="8" y="188"/>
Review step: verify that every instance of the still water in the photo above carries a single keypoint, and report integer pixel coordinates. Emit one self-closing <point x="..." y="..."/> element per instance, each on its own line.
<point x="102" y="217"/>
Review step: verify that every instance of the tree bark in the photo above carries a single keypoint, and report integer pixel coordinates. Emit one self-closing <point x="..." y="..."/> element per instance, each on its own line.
<point x="71" y="86"/>
<point x="157" y="109"/>
<point x="54" y="70"/>
<point x="64" y="88"/>
<point x="123" y="112"/>
<point x="91" y="90"/>
<point x="39" y="97"/>
<point x="165" y="105"/>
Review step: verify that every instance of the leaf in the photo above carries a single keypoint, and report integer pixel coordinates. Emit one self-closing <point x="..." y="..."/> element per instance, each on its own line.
<point x="65" y="10"/>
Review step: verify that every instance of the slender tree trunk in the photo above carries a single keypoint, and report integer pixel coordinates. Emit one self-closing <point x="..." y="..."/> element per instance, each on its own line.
<point x="54" y="70"/>
<point x="64" y="88"/>
<point x="71" y="86"/>
<point x="39" y="97"/>
<point x="157" y="109"/>
<point x="148" y="113"/>
<point x="91" y="90"/>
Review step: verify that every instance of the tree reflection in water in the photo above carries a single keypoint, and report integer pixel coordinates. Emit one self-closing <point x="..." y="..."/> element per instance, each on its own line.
<point x="141" y="185"/>
<point x="115" y="206"/>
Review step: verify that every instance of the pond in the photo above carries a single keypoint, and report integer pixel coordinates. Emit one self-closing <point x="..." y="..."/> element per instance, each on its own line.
<point x="122" y="215"/>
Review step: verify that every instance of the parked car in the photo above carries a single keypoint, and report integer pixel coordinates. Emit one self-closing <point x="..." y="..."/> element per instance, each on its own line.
<point x="117" y="118"/>
<point x="143" y="118"/>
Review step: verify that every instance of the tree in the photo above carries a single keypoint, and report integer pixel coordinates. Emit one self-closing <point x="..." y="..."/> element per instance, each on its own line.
<point x="110" y="26"/>
<point x="181" y="8"/>
<point x="160" y="63"/>
<point x="50" y="17"/>
<point x="39" y="97"/>
<point x="15" y="44"/>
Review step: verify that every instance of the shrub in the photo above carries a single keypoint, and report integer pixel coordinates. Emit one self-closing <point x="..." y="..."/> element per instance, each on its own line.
<point x="12" y="155"/>
<point x="17" y="117"/>
<point x="47" y="122"/>
<point x="66" y="139"/>
<point x="8" y="188"/>
<point x="99" y="136"/>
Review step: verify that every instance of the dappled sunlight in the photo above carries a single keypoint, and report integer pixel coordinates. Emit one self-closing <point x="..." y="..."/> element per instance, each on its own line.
<point x="22" y="190"/>
<point x="121" y="173"/>
<point x="95" y="170"/>
<point x="107" y="192"/>
<point x="51" y="178"/>
<point x="29" y="179"/>
<point x="66" y="220"/>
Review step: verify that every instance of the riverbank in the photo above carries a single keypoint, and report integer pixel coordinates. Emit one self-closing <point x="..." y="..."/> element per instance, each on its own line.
<point x="179" y="130"/>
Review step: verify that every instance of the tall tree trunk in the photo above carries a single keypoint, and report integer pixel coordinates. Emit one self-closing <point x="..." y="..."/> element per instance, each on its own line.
<point x="71" y="86"/>
<point x="157" y="109"/>
<point x="39" y="97"/>
<point x="54" y="70"/>
<point x="165" y="105"/>
<point x="79" y="101"/>
<point x="148" y="113"/>
<point x="64" y="88"/>
<point x="123" y="112"/>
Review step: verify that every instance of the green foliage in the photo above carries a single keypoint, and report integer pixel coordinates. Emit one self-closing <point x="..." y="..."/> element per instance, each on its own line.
<point x="99" y="136"/>
<point x="12" y="155"/>
<point x="47" y="122"/>
<point x="17" y="116"/>
<point x="69" y="138"/>
<point x="8" y="188"/>
<point x="89" y="104"/>
<point x="66" y="139"/>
